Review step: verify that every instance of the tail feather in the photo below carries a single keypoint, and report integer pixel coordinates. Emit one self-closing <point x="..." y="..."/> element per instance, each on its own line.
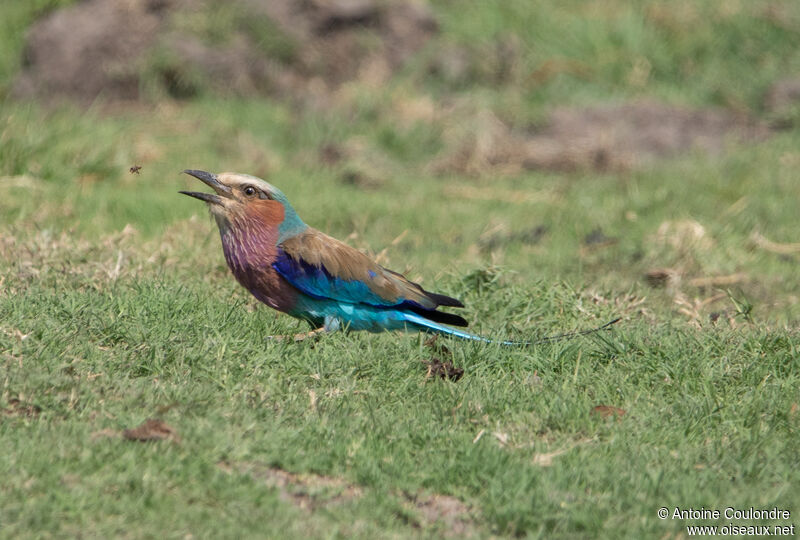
<point x="436" y="298"/>
<point x="444" y="300"/>
<point x="432" y="326"/>
<point x="429" y="325"/>
<point x="440" y="316"/>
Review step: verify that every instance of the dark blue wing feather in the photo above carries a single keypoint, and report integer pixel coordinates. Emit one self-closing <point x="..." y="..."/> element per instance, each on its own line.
<point x="318" y="283"/>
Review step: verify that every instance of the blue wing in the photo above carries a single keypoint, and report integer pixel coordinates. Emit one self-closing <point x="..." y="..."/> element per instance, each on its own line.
<point x="341" y="274"/>
<point x="317" y="282"/>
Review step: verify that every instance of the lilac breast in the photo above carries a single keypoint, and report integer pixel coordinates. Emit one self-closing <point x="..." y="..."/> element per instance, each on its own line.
<point x="250" y="255"/>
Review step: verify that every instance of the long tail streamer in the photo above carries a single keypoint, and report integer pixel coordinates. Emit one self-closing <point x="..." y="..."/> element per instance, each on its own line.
<point x="431" y="326"/>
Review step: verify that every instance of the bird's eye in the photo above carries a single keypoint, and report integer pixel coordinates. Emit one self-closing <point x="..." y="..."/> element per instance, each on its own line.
<point x="249" y="191"/>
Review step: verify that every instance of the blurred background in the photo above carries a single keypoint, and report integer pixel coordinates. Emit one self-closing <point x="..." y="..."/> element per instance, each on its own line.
<point x="648" y="146"/>
<point x="554" y="164"/>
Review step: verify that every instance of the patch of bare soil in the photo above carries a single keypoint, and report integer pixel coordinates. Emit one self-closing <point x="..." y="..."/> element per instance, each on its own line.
<point x="17" y="407"/>
<point x="448" y="512"/>
<point x="314" y="491"/>
<point x="603" y="137"/>
<point x="104" y="48"/>
<point x="307" y="491"/>
<point x="782" y="97"/>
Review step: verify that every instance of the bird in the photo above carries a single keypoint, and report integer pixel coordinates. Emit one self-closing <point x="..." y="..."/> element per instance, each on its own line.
<point x="303" y="272"/>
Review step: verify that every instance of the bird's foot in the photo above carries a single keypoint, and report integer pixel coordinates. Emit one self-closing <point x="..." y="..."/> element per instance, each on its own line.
<point x="313" y="334"/>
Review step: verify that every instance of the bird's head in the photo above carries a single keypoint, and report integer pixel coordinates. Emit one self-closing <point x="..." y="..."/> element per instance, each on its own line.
<point x="241" y="199"/>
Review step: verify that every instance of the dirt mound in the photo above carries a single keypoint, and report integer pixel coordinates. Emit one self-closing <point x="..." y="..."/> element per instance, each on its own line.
<point x="125" y="49"/>
<point x="328" y="29"/>
<point x="782" y="95"/>
<point x="89" y="49"/>
<point x="782" y="102"/>
<point x="606" y="137"/>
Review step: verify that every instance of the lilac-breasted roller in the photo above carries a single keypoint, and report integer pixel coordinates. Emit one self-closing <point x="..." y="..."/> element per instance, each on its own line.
<point x="309" y="275"/>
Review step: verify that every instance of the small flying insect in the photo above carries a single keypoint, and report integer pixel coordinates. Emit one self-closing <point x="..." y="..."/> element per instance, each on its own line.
<point x="135" y="169"/>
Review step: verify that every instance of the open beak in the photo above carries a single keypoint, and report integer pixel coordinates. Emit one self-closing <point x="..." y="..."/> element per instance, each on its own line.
<point x="211" y="181"/>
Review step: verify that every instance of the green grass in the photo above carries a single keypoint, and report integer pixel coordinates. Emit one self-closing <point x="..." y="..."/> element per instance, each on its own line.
<point x="116" y="304"/>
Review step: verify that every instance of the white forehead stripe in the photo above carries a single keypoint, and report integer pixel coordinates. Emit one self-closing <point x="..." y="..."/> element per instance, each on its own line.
<point x="236" y="179"/>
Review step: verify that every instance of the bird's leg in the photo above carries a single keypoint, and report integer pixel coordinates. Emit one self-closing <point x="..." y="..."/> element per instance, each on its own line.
<point x="332" y="324"/>
<point x="313" y="334"/>
<point x="302" y="336"/>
